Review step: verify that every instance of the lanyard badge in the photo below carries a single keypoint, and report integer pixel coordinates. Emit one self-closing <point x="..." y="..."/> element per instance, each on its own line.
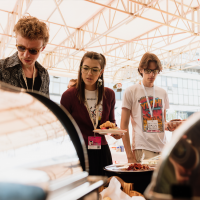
<point x="147" y="98"/>
<point x="93" y="141"/>
<point x="152" y="125"/>
<point x="97" y="114"/>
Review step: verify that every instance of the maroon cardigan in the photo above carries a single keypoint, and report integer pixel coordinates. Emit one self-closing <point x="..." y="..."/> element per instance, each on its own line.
<point x="80" y="114"/>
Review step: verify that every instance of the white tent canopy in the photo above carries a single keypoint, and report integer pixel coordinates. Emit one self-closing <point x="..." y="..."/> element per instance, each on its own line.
<point x="122" y="30"/>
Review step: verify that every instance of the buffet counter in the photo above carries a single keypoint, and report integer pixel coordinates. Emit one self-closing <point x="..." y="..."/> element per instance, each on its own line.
<point x="42" y="151"/>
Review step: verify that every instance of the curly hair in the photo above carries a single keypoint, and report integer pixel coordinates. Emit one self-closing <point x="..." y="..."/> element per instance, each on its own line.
<point x="31" y="28"/>
<point x="73" y="80"/>
<point x="146" y="59"/>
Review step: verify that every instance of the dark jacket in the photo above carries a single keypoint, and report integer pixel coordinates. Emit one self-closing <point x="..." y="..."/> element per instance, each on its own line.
<point x="11" y="73"/>
<point x="80" y="114"/>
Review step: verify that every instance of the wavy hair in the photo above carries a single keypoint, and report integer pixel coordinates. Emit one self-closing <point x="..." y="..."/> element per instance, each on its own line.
<point x="146" y="59"/>
<point x="31" y="28"/>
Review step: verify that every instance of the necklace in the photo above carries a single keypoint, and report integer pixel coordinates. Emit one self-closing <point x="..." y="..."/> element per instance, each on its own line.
<point x="25" y="80"/>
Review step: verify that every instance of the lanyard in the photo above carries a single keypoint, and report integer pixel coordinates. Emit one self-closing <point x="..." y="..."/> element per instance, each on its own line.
<point x="25" y="80"/>
<point x="97" y="113"/>
<point x="147" y="98"/>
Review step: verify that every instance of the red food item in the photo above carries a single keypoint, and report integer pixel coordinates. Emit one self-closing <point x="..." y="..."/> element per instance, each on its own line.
<point x="103" y="128"/>
<point x="137" y="166"/>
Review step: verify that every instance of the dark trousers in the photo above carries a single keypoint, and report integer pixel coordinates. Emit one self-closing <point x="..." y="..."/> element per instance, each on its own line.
<point x="98" y="159"/>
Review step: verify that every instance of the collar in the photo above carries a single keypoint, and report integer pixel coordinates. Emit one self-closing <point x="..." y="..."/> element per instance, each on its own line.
<point x="14" y="60"/>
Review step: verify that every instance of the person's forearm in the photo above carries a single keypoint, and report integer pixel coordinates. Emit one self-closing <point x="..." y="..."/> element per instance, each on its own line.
<point x="127" y="146"/>
<point x="125" y="118"/>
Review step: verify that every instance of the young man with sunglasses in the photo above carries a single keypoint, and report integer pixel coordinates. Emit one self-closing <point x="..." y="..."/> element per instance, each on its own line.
<point x="146" y="104"/>
<point x="22" y="69"/>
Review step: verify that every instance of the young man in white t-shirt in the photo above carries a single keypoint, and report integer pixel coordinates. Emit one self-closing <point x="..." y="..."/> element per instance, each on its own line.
<point x="148" y="125"/>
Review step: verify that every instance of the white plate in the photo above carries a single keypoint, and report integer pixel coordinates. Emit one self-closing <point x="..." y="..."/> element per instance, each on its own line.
<point x="122" y="167"/>
<point x="109" y="131"/>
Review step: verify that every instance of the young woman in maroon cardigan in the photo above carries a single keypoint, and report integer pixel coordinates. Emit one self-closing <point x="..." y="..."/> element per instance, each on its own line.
<point x="91" y="104"/>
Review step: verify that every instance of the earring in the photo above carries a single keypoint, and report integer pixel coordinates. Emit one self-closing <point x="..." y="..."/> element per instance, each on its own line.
<point x="99" y="83"/>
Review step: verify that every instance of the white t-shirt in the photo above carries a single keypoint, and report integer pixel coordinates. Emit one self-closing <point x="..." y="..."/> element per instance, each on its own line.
<point x="134" y="99"/>
<point x="91" y="97"/>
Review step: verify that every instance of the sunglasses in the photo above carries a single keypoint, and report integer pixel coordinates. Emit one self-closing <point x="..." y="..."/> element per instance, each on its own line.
<point x="148" y="71"/>
<point x="32" y="51"/>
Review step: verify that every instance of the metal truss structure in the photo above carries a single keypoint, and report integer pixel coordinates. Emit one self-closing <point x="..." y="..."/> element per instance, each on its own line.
<point x="122" y="30"/>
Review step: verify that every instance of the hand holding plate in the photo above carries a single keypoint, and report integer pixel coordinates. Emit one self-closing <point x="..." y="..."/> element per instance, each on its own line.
<point x="117" y="137"/>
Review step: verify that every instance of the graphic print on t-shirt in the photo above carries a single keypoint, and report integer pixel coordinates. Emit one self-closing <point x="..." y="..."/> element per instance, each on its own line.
<point x="157" y="112"/>
<point x="93" y="110"/>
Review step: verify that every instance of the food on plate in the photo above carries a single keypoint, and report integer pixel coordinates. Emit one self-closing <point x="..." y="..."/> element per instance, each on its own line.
<point x="137" y="166"/>
<point x="108" y="125"/>
<point x="107" y="198"/>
